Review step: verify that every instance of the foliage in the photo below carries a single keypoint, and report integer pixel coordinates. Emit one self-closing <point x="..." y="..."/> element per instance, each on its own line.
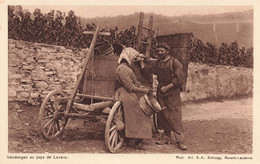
<point x="224" y="55"/>
<point x="58" y="28"/>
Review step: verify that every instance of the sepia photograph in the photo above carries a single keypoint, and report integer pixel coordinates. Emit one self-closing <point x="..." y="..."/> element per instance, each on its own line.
<point x="128" y="80"/>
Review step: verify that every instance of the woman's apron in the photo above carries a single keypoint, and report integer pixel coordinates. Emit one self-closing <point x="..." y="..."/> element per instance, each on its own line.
<point x="137" y="124"/>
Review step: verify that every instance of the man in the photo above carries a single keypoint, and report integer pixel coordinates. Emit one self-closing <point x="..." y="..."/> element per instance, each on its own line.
<point x="169" y="73"/>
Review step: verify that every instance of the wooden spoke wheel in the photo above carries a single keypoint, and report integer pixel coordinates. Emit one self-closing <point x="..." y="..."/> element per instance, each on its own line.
<point x="51" y="117"/>
<point x="114" y="132"/>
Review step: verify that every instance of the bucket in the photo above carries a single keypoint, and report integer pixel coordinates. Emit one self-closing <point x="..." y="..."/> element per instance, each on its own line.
<point x="149" y="105"/>
<point x="103" y="49"/>
<point x="145" y="107"/>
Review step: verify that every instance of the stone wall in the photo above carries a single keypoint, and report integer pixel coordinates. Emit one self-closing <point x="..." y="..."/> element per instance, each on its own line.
<point x="217" y="81"/>
<point x="35" y="69"/>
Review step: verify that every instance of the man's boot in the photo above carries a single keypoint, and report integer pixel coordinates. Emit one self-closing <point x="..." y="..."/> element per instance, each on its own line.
<point x="182" y="146"/>
<point x="179" y="139"/>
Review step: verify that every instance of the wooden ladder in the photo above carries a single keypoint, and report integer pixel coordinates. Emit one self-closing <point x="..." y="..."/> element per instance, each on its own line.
<point x="139" y="42"/>
<point x="84" y="73"/>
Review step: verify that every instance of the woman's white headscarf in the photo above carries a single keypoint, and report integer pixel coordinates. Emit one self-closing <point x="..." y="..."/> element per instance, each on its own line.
<point x="128" y="54"/>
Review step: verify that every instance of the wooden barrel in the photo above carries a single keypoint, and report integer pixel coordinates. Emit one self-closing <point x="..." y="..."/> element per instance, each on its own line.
<point x="180" y="44"/>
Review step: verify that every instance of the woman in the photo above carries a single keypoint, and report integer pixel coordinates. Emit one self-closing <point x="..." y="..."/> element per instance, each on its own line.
<point x="137" y="124"/>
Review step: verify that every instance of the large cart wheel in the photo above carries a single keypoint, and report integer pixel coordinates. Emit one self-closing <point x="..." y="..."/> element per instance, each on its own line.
<point x="114" y="132"/>
<point x="51" y="117"/>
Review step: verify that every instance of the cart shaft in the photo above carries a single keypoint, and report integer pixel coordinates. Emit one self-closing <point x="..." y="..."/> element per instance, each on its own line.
<point x="88" y="108"/>
<point x="93" y="107"/>
<point x="102" y="98"/>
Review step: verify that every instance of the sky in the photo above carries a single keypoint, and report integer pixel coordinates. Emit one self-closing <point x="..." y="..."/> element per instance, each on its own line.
<point x="105" y="10"/>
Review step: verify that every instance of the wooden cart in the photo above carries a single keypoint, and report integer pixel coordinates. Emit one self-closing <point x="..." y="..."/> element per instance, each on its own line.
<point x="96" y="84"/>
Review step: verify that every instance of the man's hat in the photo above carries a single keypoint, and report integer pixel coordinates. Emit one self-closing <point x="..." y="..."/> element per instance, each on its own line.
<point x="164" y="45"/>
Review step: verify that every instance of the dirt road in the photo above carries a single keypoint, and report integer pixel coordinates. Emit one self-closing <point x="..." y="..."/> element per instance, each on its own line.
<point x="223" y="127"/>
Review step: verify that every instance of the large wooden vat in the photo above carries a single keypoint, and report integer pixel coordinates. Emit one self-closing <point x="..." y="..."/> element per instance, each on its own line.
<point x="102" y="81"/>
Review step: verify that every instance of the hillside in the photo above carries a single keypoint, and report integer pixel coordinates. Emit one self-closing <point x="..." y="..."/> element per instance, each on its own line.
<point x="228" y="26"/>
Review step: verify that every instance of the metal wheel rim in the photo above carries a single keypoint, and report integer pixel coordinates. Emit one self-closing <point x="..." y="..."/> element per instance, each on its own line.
<point x="51" y="124"/>
<point x="113" y="138"/>
<point x="155" y="122"/>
